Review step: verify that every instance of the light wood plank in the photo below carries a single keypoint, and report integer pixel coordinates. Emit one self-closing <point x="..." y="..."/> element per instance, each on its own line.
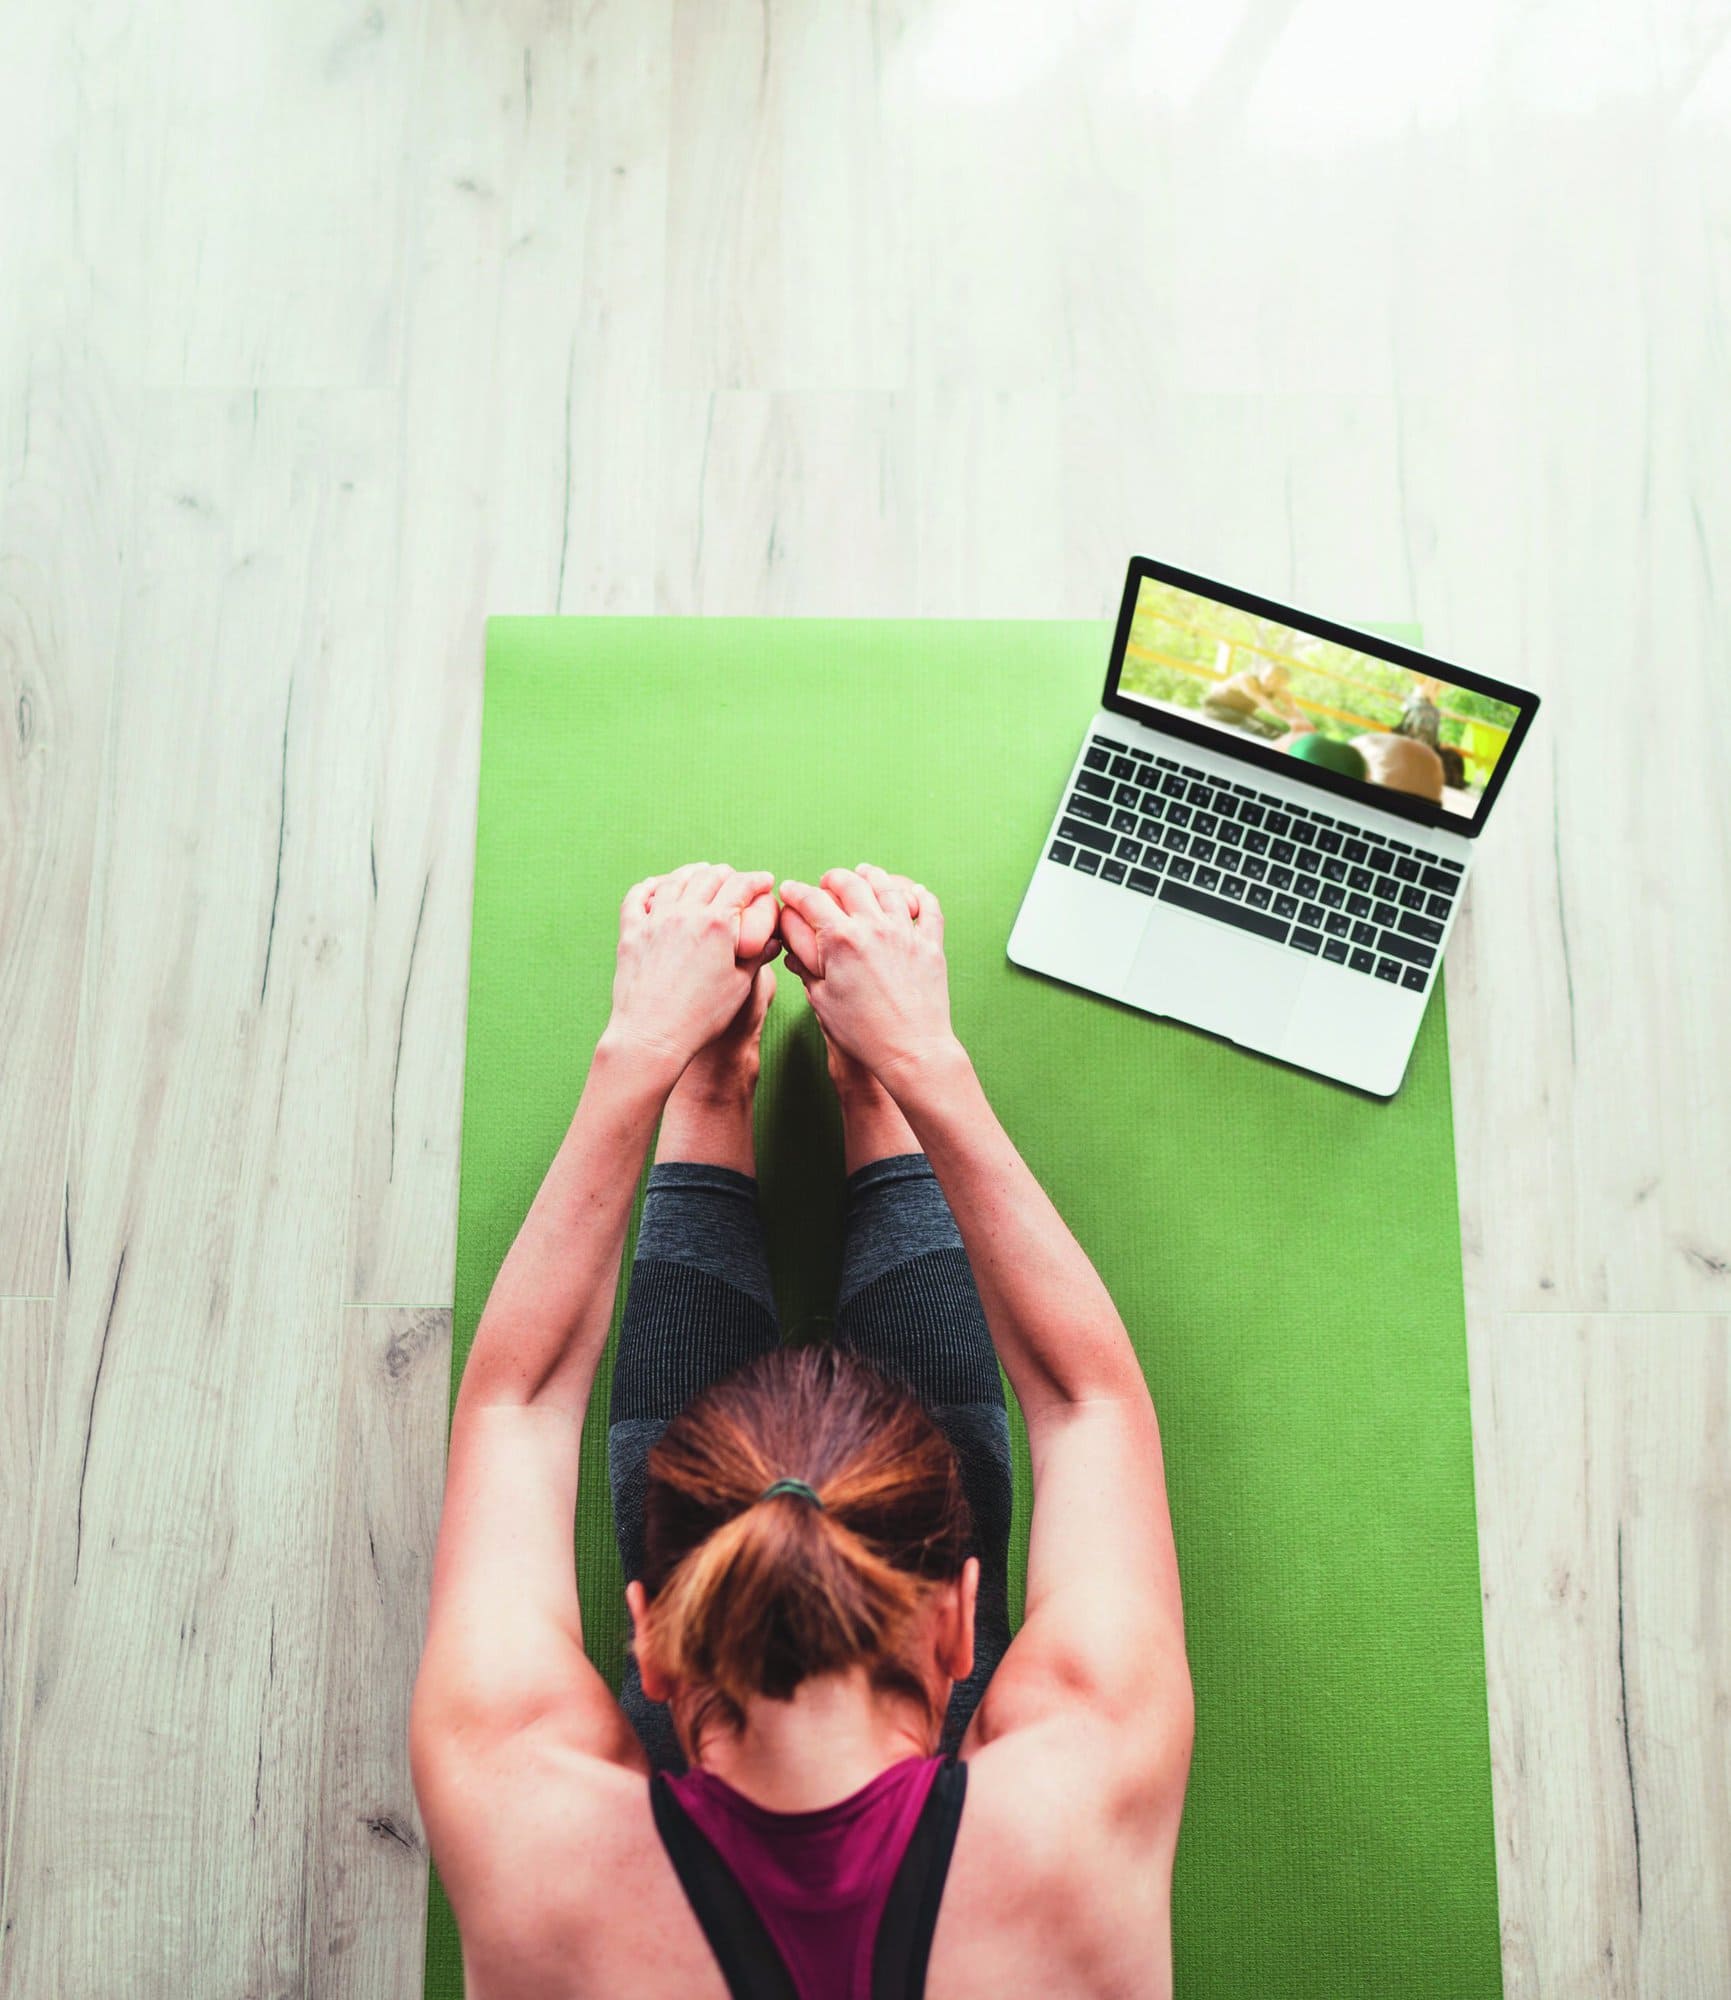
<point x="179" y="1619"/>
<point x="367" y="1861"/>
<point x="1604" y="1525"/>
<point x="787" y="506"/>
<point x="64" y="474"/>
<point x="270" y="194"/>
<point x="530" y="430"/>
<point x="785" y="266"/>
<point x="26" y="1366"/>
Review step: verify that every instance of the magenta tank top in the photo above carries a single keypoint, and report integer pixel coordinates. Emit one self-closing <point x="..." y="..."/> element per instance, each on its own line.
<point x="820" y="1881"/>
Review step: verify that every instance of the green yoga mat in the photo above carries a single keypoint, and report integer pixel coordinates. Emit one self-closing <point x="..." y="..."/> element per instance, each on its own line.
<point x="1286" y="1254"/>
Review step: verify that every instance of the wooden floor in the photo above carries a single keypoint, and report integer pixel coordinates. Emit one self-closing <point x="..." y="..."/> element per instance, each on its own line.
<point x="327" y="328"/>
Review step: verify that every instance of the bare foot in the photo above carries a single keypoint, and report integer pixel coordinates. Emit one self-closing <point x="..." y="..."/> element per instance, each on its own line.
<point x="872" y="1126"/>
<point x="708" y="1117"/>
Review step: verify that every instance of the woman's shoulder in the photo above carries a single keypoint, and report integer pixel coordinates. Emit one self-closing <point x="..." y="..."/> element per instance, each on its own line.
<point x="562" y="1887"/>
<point x="1056" y="1870"/>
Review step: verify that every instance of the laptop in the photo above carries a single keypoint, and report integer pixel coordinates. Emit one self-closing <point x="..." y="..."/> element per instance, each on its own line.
<point x="1268" y="827"/>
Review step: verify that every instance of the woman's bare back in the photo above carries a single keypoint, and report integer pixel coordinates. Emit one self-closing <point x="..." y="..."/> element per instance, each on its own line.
<point x="1059" y="1884"/>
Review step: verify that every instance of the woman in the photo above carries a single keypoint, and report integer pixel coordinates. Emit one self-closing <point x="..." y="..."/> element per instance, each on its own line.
<point x="811" y="1786"/>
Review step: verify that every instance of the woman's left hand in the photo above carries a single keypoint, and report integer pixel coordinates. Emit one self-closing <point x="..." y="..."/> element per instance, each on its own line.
<point x="690" y="944"/>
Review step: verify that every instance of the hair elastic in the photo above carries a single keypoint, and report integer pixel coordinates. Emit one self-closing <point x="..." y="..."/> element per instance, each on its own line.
<point x="797" y="1486"/>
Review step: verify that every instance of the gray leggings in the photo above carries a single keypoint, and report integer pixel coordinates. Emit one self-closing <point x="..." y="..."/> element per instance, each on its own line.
<point x="700" y="1305"/>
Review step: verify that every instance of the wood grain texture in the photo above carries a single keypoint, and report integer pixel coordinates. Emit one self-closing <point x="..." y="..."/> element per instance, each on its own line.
<point x="331" y="329"/>
<point x="26" y="1357"/>
<point x="367" y="1862"/>
<point x="1611" y="1590"/>
<point x="174" y="1662"/>
<point x="63" y="481"/>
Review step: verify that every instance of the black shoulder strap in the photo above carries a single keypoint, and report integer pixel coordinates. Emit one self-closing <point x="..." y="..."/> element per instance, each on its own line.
<point x="744" y="1950"/>
<point x="911" y="1914"/>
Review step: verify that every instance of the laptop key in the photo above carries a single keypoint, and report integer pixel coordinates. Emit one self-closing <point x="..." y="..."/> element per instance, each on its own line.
<point x="1357" y="905"/>
<point x="1334" y="869"/>
<point x="1180" y="868"/>
<point x="1259" y="896"/>
<point x="1438" y="906"/>
<point x="1283" y="850"/>
<point x="1088" y="862"/>
<point x="1256" y="842"/>
<point x="1206" y="822"/>
<point x="1093" y="784"/>
<point x="1234" y="886"/>
<point x="1411" y="950"/>
<point x="1226" y="912"/>
<point x="1253" y="867"/>
<point x="1200" y="794"/>
<point x="1231" y="833"/>
<point x="1412" y="897"/>
<point x="1085" y="836"/>
<point x="1421" y="927"/>
<point x="1310" y="941"/>
<point x="1088" y="809"/>
<point x="1147" y="829"/>
<point x="1207" y="878"/>
<point x="1201" y="850"/>
<point x="1414" y="978"/>
<point x="1286" y="906"/>
<point x="1336" y="923"/>
<point x="1097" y="757"/>
<point x="1173" y="785"/>
<point x="1406" y="867"/>
<point x="1143" y="882"/>
<point x="1280" y="878"/>
<point x="1329" y="839"/>
<point x="1384" y="914"/>
<point x="1361" y="877"/>
<point x="1250" y="812"/>
<point x="1278" y="822"/>
<point x="1356" y="849"/>
<point x="1130" y="850"/>
<point x="1177" y="815"/>
<point x="1176" y="841"/>
<point x="1435" y="878"/>
<point x="1364" y="934"/>
<point x="1112" y="743"/>
<point x="1124" y="822"/>
<point x="1362" y="961"/>
<point x="1331" y="896"/>
<point x="1334" y="950"/>
<point x="1129" y="795"/>
<point x="1306" y="886"/>
<point x="1312" y="914"/>
<point x="1386" y="968"/>
<point x="1225" y="805"/>
<point x="1382" y="860"/>
<point x="1124" y="767"/>
<point x="1113" y="871"/>
<point x="1061" y="851"/>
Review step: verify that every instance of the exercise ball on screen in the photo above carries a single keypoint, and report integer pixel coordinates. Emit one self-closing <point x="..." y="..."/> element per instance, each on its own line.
<point x="1332" y="756"/>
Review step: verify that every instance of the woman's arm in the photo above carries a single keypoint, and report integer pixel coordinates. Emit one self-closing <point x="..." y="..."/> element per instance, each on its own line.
<point x="504" y="1642"/>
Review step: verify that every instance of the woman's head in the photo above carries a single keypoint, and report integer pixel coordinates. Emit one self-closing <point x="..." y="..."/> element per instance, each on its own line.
<point x="747" y="1596"/>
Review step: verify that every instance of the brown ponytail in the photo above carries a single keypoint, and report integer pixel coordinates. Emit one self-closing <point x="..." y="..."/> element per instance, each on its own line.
<point x="750" y="1596"/>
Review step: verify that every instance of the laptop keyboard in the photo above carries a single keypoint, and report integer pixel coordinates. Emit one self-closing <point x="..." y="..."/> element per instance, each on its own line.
<point x="1288" y="873"/>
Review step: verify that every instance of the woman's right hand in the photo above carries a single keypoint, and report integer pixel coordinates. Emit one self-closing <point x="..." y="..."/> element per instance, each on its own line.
<point x="869" y="947"/>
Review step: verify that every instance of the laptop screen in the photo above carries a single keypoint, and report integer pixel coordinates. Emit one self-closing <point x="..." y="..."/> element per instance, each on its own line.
<point x="1397" y="727"/>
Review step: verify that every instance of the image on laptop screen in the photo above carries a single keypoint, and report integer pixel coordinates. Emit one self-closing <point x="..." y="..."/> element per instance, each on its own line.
<point x="1366" y="718"/>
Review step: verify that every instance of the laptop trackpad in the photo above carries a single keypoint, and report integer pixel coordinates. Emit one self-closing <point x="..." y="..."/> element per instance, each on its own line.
<point x="1216" y="977"/>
